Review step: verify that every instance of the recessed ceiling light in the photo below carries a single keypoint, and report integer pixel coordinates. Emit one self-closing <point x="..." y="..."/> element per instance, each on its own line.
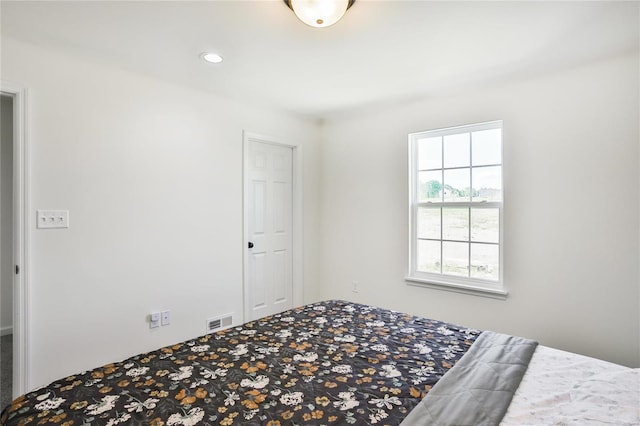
<point x="211" y="57"/>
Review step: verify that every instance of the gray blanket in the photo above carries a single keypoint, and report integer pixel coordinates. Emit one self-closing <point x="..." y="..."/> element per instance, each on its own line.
<point x="479" y="388"/>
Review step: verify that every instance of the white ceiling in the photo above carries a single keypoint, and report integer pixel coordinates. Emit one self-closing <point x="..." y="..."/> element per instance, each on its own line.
<point x="380" y="52"/>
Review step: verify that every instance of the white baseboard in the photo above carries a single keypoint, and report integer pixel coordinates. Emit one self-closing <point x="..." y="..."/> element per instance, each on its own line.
<point x="6" y="330"/>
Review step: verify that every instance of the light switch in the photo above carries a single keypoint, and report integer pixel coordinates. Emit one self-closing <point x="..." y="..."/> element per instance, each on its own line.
<point x="52" y="218"/>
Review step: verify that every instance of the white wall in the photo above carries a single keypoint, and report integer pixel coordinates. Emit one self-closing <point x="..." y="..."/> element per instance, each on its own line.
<point x="6" y="216"/>
<point x="152" y="176"/>
<point x="571" y="208"/>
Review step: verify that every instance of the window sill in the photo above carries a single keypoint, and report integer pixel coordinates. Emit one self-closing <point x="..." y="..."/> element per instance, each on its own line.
<point x="458" y="288"/>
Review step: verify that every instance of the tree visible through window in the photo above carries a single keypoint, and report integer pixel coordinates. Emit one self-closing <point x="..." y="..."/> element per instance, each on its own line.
<point x="456" y="206"/>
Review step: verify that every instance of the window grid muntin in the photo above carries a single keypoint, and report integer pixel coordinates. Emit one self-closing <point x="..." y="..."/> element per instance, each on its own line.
<point x="470" y="168"/>
<point x="469" y="240"/>
<point x="460" y="167"/>
<point x="492" y="285"/>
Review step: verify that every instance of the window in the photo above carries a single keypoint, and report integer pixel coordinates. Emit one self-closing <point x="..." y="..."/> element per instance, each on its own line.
<point x="455" y="181"/>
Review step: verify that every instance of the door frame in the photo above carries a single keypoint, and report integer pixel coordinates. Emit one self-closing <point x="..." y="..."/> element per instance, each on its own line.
<point x="296" y="217"/>
<point x="21" y="202"/>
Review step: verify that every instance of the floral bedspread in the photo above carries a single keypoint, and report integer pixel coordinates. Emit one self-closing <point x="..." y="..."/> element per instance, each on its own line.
<point x="332" y="362"/>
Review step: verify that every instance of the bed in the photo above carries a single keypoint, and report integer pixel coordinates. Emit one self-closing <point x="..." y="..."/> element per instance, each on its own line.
<point x="343" y="363"/>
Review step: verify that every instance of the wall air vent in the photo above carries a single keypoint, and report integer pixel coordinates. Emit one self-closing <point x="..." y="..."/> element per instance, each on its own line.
<point x="219" y="323"/>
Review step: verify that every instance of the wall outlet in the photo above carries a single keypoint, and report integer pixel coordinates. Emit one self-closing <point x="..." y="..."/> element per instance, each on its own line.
<point x="154" y="320"/>
<point x="166" y="318"/>
<point x="355" y="286"/>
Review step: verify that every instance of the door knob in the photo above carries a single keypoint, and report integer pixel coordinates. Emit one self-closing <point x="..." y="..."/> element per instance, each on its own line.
<point x="250" y="244"/>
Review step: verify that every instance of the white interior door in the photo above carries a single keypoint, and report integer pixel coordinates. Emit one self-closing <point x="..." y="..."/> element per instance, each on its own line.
<point x="268" y="281"/>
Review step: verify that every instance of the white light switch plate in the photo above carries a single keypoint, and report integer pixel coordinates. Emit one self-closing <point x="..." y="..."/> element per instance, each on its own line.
<point x="53" y="218"/>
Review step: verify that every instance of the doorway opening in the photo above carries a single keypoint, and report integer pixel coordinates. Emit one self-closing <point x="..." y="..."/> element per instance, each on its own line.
<point x="14" y="290"/>
<point x="6" y="248"/>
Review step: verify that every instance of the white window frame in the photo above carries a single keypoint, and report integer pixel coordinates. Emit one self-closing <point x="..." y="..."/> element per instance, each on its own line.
<point x="468" y="285"/>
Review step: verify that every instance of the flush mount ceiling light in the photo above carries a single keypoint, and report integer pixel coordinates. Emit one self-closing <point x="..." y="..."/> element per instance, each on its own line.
<point x="319" y="13"/>
<point x="211" y="57"/>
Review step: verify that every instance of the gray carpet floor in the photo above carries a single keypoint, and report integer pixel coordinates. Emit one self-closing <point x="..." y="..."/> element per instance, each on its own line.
<point x="6" y="369"/>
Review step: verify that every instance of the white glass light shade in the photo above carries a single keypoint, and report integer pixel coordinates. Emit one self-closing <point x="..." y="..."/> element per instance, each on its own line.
<point x="319" y="13"/>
